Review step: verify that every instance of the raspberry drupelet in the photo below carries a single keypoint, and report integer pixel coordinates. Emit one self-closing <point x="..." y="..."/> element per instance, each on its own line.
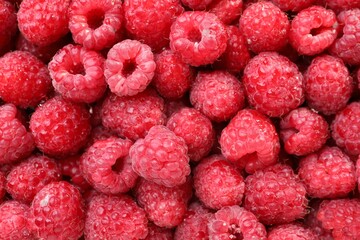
<point x="293" y="5"/>
<point x="291" y="231"/>
<point x="8" y="25"/>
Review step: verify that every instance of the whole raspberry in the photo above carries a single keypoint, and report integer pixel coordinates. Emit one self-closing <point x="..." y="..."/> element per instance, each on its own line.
<point x="275" y="195"/>
<point x="293" y="5"/>
<point x="2" y="185"/>
<point x="291" y="231"/>
<point x="198" y="37"/>
<point x="339" y="5"/>
<point x="132" y="117"/>
<point x="60" y="127"/>
<point x="303" y="131"/>
<point x="217" y="94"/>
<point x="250" y="139"/>
<point x="328" y="84"/>
<point x="43" y="22"/>
<point x="24" y="79"/>
<point x="273" y="84"/>
<point x="196" y="4"/>
<point x="115" y="217"/>
<point x="159" y="233"/>
<point x="96" y="24"/>
<point x="161" y="157"/>
<point x="57" y="212"/>
<point x="195" y="129"/>
<point x="8" y="27"/>
<point x="265" y="27"/>
<point x="226" y="10"/>
<point x="129" y="67"/>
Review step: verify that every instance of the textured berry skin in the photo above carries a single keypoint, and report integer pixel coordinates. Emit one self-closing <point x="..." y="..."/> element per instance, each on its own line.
<point x="2" y="185"/>
<point x="107" y="167"/>
<point x="129" y="67"/>
<point x="78" y="74"/>
<point x="159" y="233"/>
<point x="43" y="22"/>
<point x="8" y="26"/>
<point x="318" y="19"/>
<point x="60" y="127"/>
<point x="255" y="23"/>
<point x="293" y="5"/>
<point x="195" y="129"/>
<point x="96" y="24"/>
<point x="24" y="79"/>
<point x="328" y="84"/>
<point x="303" y="131"/>
<point x="196" y="4"/>
<point x="57" y="212"/>
<point x="198" y="37"/>
<point x="100" y="133"/>
<point x="291" y="231"/>
<point x="275" y="195"/>
<point x="235" y="222"/>
<point x="115" y="217"/>
<point x="226" y="10"/>
<point x="218" y="95"/>
<point x="161" y="157"/>
<point x="339" y="5"/>
<point x="132" y="117"/>
<point x="314" y="224"/>
<point x="273" y="84"/>
<point x="250" y="139"/>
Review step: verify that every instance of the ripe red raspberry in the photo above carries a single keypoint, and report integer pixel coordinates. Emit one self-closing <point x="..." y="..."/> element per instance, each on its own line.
<point x="275" y="195"/>
<point x="115" y="217"/>
<point x="339" y="5"/>
<point x="2" y="185"/>
<point x="195" y="129"/>
<point x="132" y="117"/>
<point x="226" y="10"/>
<point x="250" y="139"/>
<point x="159" y="233"/>
<point x="129" y="67"/>
<point x="291" y="231"/>
<point x="43" y="22"/>
<point x="346" y="128"/>
<point x="196" y="4"/>
<point x="303" y="131"/>
<point x="313" y="30"/>
<point x="293" y="5"/>
<point x="57" y="212"/>
<point x="218" y="95"/>
<point x="273" y="84"/>
<point x="161" y="157"/>
<point x="24" y="79"/>
<point x="265" y="27"/>
<point x="60" y="127"/>
<point x="8" y="27"/>
<point x="198" y="37"/>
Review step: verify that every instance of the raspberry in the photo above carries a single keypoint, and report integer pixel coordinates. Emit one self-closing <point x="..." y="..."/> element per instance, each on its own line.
<point x="60" y="127"/>
<point x="313" y="30"/>
<point x="78" y="74"/>
<point x="57" y="212"/>
<point x="291" y="231"/>
<point x="43" y="22"/>
<point x="161" y="157"/>
<point x="24" y="79"/>
<point x="255" y="23"/>
<point x="195" y="129"/>
<point x="275" y="195"/>
<point x="293" y="5"/>
<point x="218" y="95"/>
<point x="346" y="128"/>
<point x="8" y="27"/>
<point x="2" y="186"/>
<point x="250" y="139"/>
<point x="129" y="68"/>
<point x="235" y="222"/>
<point x="273" y="84"/>
<point x="226" y="10"/>
<point x="96" y="24"/>
<point x="158" y="233"/>
<point x="328" y="84"/>
<point x="303" y="131"/>
<point x="115" y="217"/>
<point x="132" y="117"/>
<point x="198" y="37"/>
<point x="339" y="5"/>
<point x="107" y="167"/>
<point x="196" y="4"/>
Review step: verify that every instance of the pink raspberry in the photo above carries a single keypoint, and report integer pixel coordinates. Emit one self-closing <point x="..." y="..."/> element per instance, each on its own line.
<point x="196" y="4"/>
<point x="293" y="5"/>
<point x="250" y="139"/>
<point x="161" y="157"/>
<point x="273" y="84"/>
<point x="8" y="27"/>
<point x="198" y="37"/>
<point x="339" y="5"/>
<point x="159" y="233"/>
<point x="291" y="231"/>
<point x="129" y="67"/>
<point x="2" y="185"/>
<point x="226" y="10"/>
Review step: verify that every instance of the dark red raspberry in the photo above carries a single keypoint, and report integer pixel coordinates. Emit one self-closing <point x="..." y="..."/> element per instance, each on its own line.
<point x="226" y="10"/>
<point x="60" y="127"/>
<point x="24" y="79"/>
<point x="159" y="233"/>
<point x="314" y="224"/>
<point x="2" y="185"/>
<point x="303" y="131"/>
<point x="115" y="217"/>
<point x="96" y="24"/>
<point x="339" y="5"/>
<point x="291" y="231"/>
<point x="196" y="4"/>
<point x="250" y="139"/>
<point x="57" y="212"/>
<point x="218" y="95"/>
<point x="161" y="157"/>
<point x="8" y="27"/>
<point x="43" y="22"/>
<point x="198" y="37"/>
<point x="273" y="84"/>
<point x="293" y="5"/>
<point x="132" y="117"/>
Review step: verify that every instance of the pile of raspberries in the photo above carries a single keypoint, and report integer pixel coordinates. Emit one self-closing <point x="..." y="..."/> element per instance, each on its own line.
<point x="180" y="119"/>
